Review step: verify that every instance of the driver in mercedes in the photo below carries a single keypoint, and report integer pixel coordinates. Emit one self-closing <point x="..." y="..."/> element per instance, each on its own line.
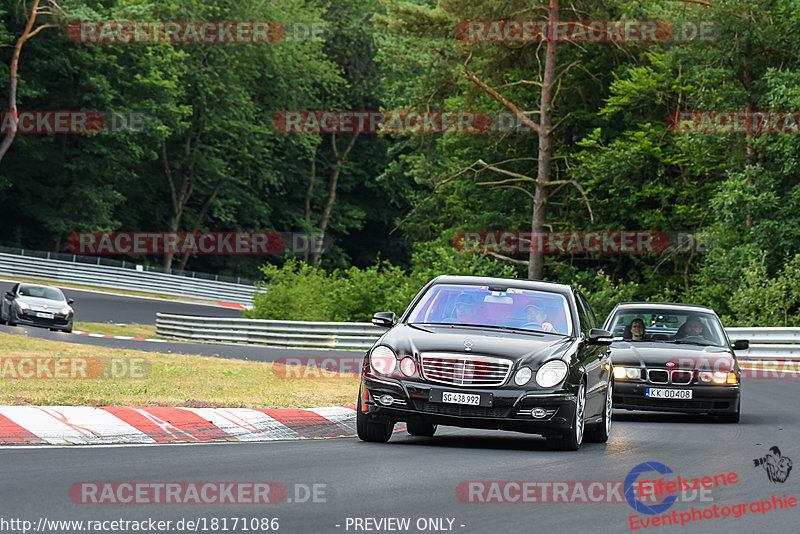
<point x="535" y="315"/>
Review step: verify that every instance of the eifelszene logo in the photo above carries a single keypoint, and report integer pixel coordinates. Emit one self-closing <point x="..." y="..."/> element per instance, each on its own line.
<point x="630" y="495"/>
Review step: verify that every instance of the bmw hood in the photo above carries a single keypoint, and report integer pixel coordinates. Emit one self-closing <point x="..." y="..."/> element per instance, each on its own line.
<point x="667" y="355"/>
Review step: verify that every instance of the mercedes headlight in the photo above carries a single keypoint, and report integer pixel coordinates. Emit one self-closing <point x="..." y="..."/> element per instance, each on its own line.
<point x="523" y="376"/>
<point x="383" y="360"/>
<point x="551" y="373"/>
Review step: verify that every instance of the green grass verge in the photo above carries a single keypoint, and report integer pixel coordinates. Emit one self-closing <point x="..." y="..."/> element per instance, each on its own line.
<point x="160" y="379"/>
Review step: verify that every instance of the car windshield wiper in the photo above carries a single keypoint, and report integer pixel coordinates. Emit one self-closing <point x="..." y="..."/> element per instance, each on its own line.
<point x="454" y="324"/>
<point x="491" y="326"/>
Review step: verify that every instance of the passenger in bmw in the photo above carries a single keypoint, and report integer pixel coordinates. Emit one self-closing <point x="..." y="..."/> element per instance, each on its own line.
<point x="634" y="332"/>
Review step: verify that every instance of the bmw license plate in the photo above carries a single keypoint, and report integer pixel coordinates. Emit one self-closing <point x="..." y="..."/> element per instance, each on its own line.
<point x="44" y="315"/>
<point x="461" y="398"/>
<point x="659" y="393"/>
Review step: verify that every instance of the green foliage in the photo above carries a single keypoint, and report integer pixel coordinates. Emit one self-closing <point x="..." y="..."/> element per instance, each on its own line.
<point x="765" y="301"/>
<point x="603" y="292"/>
<point x="403" y="197"/>
<point x="295" y="292"/>
<point x="298" y="292"/>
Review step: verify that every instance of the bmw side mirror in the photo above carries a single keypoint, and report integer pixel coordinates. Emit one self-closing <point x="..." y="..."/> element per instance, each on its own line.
<point x="384" y="319"/>
<point x="741" y="344"/>
<point x="598" y="336"/>
<point x="70" y="301"/>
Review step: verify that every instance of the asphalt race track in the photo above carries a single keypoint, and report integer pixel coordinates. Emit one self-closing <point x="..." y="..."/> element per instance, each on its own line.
<point x="344" y="485"/>
<point x="415" y="478"/>
<point x="98" y="307"/>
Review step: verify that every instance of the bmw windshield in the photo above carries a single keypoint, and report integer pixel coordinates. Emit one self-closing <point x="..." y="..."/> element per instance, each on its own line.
<point x="668" y="326"/>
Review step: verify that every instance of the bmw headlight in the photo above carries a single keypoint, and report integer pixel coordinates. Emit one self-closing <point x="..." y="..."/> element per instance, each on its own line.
<point x="630" y="373"/>
<point x="719" y="377"/>
<point x="551" y="373"/>
<point x="383" y="360"/>
<point x="523" y="376"/>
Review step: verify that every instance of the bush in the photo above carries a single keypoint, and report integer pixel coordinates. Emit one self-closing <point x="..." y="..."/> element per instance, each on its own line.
<point x="764" y="301"/>
<point x="298" y="292"/>
<point x="295" y="293"/>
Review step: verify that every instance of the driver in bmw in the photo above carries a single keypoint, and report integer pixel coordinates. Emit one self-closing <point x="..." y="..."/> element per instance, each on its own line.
<point x="693" y="327"/>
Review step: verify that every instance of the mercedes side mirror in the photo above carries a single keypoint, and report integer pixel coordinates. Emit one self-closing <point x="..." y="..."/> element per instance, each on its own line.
<point x="598" y="336"/>
<point x="384" y="319"/>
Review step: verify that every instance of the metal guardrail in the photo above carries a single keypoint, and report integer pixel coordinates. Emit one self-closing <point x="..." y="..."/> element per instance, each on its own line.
<point x="768" y="343"/>
<point x="317" y="335"/>
<point x="765" y="343"/>
<point x="111" y="262"/>
<point x="123" y="278"/>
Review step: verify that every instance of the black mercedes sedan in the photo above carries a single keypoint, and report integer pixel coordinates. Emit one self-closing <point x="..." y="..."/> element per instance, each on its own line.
<point x="37" y="305"/>
<point x="490" y="353"/>
<point x="674" y="358"/>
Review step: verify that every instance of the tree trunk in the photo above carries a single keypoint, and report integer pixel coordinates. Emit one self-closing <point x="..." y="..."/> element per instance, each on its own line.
<point x="309" y="196"/>
<point x="200" y="218"/>
<point x="747" y="81"/>
<point x="12" y="86"/>
<point x="332" y="185"/>
<point x="539" y="216"/>
<point x="179" y="198"/>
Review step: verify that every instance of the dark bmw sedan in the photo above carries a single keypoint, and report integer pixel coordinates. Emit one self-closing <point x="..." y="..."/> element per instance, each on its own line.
<point x="674" y="358"/>
<point x="37" y="305"/>
<point x="490" y="353"/>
